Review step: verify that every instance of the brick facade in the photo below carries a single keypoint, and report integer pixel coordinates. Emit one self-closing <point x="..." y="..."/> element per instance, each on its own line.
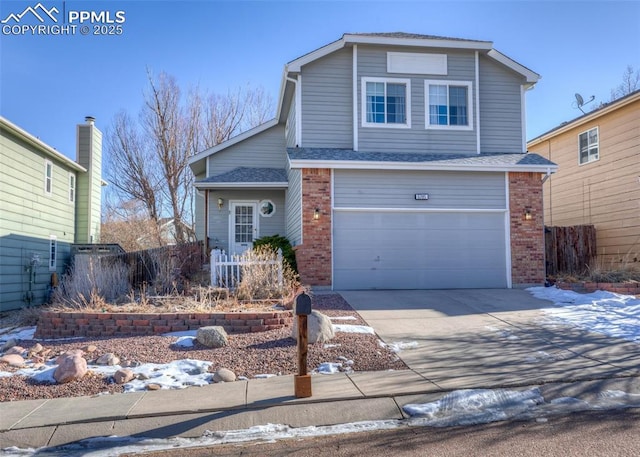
<point x="527" y="236"/>
<point x="313" y="256"/>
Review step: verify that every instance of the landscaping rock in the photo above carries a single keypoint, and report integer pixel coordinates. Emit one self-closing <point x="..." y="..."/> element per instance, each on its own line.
<point x="36" y="349"/>
<point x="320" y="329"/>
<point x="108" y="359"/>
<point x="90" y="348"/>
<point x="123" y="376"/>
<point x="213" y="337"/>
<point x="154" y="386"/>
<point x="71" y="366"/>
<point x="15" y="350"/>
<point x="14" y="360"/>
<point x="224" y="375"/>
<point x="9" y="344"/>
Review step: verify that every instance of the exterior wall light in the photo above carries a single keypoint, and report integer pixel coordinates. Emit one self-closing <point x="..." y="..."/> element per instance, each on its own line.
<point x="527" y="214"/>
<point x="220" y="203"/>
<point x="316" y="214"/>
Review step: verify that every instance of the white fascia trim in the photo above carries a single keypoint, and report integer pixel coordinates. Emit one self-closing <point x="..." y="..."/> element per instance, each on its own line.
<point x="242" y="185"/>
<point x="419" y="42"/>
<point x="362" y="165"/>
<point x="477" y="97"/>
<point x="419" y="210"/>
<point x="283" y="86"/>
<point x="235" y="140"/>
<point x="531" y="76"/>
<point x="354" y="83"/>
<point x="298" y="96"/>
<point x="44" y="147"/>
<point x="507" y="233"/>
<point x="295" y="66"/>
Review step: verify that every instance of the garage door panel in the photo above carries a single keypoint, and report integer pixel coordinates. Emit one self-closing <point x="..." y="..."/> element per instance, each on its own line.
<point x="396" y="250"/>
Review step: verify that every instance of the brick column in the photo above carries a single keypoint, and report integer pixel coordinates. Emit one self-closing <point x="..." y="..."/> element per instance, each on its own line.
<point x="313" y="256"/>
<point x="527" y="236"/>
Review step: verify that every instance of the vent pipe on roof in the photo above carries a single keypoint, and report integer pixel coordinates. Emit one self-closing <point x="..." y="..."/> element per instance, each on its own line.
<point x="90" y="120"/>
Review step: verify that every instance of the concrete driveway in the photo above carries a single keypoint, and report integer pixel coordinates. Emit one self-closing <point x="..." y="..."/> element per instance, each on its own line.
<point x="489" y="338"/>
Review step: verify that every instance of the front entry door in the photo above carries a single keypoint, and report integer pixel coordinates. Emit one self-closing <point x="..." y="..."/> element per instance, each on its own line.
<point x="243" y="226"/>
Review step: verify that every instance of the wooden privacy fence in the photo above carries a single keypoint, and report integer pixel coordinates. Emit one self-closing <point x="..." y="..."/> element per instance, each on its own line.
<point x="227" y="270"/>
<point x="569" y="249"/>
<point x="163" y="266"/>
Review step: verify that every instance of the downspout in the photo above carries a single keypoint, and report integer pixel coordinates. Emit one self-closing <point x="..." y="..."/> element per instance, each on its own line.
<point x="298" y="105"/>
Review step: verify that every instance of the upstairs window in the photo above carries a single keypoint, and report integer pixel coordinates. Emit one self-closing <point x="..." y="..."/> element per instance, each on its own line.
<point x="72" y="188"/>
<point x="386" y="102"/>
<point x="588" y="146"/>
<point x="48" y="177"/>
<point x="448" y="105"/>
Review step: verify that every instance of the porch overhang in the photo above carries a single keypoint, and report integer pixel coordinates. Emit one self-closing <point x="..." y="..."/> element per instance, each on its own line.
<point x="246" y="178"/>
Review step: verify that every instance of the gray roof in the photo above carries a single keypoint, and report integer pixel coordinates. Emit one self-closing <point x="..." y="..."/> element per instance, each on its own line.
<point x="248" y="175"/>
<point x="413" y="36"/>
<point x="485" y="159"/>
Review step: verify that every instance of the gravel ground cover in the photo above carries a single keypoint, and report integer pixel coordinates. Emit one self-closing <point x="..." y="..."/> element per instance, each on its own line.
<point x="248" y="355"/>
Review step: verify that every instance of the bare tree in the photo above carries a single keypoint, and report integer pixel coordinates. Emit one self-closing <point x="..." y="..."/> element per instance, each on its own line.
<point x="149" y="158"/>
<point x="630" y="83"/>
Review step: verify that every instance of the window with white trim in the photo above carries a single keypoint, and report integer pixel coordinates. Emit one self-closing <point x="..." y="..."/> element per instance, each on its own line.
<point x="72" y="188"/>
<point x="48" y="177"/>
<point x="448" y="105"/>
<point x="53" y="252"/>
<point x="588" y="150"/>
<point x="386" y="102"/>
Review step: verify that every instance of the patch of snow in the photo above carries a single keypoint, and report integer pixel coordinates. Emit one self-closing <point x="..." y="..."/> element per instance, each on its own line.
<point x="328" y="368"/>
<point x="20" y="333"/>
<point x="343" y="318"/>
<point x="185" y="341"/>
<point x="346" y="328"/>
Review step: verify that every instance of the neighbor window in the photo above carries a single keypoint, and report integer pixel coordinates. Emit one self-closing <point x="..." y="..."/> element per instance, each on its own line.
<point x="588" y="144"/>
<point x="386" y="102"/>
<point x="53" y="252"/>
<point x="448" y="105"/>
<point x="48" y="177"/>
<point x="72" y="187"/>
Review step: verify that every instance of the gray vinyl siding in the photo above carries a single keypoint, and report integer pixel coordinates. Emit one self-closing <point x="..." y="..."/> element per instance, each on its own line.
<point x="500" y="108"/>
<point x="290" y="128"/>
<point x="264" y="150"/>
<point x="397" y="189"/>
<point x="372" y="62"/>
<point x="327" y="112"/>
<point x="199" y="211"/>
<point x="294" y="207"/>
<point x="28" y="217"/>
<point x="219" y="218"/>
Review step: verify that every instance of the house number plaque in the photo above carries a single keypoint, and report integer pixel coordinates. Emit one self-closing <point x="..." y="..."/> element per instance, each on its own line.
<point x="422" y="196"/>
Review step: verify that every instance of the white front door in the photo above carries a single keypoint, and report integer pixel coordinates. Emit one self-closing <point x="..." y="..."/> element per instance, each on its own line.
<point x="243" y="226"/>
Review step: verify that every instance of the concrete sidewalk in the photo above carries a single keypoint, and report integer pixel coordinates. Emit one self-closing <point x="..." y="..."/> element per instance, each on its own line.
<point x="460" y="339"/>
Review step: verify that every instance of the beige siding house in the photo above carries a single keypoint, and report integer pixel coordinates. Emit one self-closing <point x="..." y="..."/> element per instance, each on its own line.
<point x="598" y="178"/>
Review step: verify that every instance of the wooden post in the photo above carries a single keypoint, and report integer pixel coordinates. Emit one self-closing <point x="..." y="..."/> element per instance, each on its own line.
<point x="302" y="381"/>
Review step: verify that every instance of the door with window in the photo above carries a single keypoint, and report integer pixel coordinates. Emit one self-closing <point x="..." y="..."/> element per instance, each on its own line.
<point x="243" y="226"/>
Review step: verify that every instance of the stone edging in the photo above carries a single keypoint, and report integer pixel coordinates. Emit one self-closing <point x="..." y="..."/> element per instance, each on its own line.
<point x="588" y="287"/>
<point x="79" y="324"/>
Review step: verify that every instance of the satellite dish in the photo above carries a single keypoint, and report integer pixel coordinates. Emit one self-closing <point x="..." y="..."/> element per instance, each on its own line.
<point x="580" y="102"/>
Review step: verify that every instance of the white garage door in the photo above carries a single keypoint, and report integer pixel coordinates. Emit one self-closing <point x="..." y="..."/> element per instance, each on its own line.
<point x="419" y="250"/>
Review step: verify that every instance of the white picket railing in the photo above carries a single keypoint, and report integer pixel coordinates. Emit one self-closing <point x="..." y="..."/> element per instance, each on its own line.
<point x="226" y="270"/>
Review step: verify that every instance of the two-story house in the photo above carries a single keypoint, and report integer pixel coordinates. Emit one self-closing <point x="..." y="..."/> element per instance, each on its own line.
<point x="394" y="161"/>
<point x="47" y="203"/>
<point x="599" y="179"/>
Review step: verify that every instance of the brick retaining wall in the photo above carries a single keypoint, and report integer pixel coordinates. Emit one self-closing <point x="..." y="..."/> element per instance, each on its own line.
<point x="80" y="324"/>
<point x="588" y="287"/>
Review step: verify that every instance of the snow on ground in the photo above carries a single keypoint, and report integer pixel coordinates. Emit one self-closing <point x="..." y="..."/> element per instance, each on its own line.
<point x="603" y="312"/>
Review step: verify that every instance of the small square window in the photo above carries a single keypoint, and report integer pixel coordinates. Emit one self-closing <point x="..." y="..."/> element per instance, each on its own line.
<point x="588" y="146"/>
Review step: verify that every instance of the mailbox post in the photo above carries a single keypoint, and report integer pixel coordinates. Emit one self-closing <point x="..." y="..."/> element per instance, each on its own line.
<point x="302" y="381"/>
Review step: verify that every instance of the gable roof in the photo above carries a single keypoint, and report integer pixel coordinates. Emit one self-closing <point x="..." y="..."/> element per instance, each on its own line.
<point x="596" y="113"/>
<point x="10" y="127"/>
<point x="348" y="158"/>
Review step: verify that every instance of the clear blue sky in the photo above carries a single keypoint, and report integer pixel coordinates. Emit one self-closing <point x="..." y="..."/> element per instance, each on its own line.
<point x="50" y="83"/>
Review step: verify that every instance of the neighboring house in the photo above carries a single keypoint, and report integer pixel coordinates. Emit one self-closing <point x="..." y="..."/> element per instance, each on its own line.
<point x="394" y="161"/>
<point x="47" y="203"/>
<point x="599" y="178"/>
